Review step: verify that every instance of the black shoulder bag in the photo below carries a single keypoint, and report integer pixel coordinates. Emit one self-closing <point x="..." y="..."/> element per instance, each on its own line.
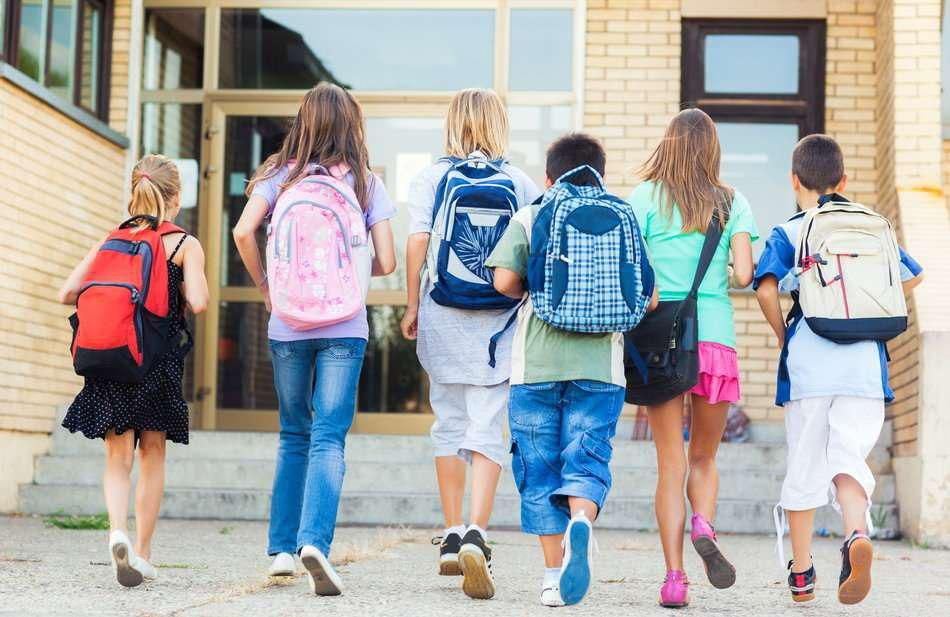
<point x="662" y="359"/>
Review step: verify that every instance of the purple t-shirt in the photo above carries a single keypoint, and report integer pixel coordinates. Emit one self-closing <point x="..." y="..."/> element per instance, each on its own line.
<point x="380" y="208"/>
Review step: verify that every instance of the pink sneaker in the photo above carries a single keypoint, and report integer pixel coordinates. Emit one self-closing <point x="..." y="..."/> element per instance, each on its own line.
<point x="675" y="590"/>
<point x="720" y="572"/>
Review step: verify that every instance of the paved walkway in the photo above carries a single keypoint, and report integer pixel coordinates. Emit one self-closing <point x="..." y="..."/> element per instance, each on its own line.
<point x="216" y="569"/>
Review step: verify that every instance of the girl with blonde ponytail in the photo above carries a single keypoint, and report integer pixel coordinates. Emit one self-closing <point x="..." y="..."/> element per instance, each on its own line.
<point x="141" y="415"/>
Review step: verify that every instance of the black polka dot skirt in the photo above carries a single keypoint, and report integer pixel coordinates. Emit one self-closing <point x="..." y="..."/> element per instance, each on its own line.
<point x="155" y="404"/>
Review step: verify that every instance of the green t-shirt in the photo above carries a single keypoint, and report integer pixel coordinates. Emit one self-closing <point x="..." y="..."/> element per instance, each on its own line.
<point x="540" y="352"/>
<point x="674" y="256"/>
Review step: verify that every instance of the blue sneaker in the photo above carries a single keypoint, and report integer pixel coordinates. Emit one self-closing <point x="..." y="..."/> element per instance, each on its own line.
<point x="578" y="547"/>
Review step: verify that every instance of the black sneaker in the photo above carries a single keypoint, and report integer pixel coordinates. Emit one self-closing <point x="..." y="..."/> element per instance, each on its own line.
<point x="802" y="584"/>
<point x="855" y="580"/>
<point x="475" y="562"/>
<point x="449" y="546"/>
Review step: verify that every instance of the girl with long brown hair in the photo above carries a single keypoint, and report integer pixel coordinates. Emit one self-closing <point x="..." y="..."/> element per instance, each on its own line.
<point x="680" y="195"/>
<point x="316" y="371"/>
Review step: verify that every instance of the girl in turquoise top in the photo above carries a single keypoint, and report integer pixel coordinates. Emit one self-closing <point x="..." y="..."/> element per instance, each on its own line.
<point x="680" y="194"/>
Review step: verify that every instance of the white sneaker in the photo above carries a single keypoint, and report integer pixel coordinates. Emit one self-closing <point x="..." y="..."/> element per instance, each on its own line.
<point x="578" y="551"/>
<point x="283" y="565"/>
<point x="324" y="581"/>
<point x="124" y="559"/>
<point x="551" y="596"/>
<point x="148" y="571"/>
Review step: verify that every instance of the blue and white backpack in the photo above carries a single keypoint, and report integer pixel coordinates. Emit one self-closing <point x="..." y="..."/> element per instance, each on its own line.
<point x="588" y="269"/>
<point x="474" y="203"/>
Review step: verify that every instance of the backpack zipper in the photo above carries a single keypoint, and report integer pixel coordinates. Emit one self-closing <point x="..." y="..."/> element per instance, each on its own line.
<point x="134" y="247"/>
<point x="313" y="204"/>
<point x="316" y="180"/>
<point x="844" y="289"/>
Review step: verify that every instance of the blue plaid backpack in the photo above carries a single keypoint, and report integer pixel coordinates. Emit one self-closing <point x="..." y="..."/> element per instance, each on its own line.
<point x="474" y="203"/>
<point x="588" y="269"/>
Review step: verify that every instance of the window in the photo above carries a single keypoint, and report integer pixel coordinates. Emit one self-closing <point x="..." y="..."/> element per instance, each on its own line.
<point x="542" y="49"/>
<point x="173" y="56"/>
<point x="763" y="83"/>
<point x="61" y="44"/>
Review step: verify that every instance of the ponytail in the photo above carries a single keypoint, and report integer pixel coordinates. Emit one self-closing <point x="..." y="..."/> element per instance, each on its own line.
<point x="155" y="182"/>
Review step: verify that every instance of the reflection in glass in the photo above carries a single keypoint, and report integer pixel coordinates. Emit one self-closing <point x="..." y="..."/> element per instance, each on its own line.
<point x="542" y="49"/>
<point x="31" y="56"/>
<point x="751" y="63"/>
<point x="377" y="49"/>
<point x="533" y="128"/>
<point x="245" y="373"/>
<point x="756" y="159"/>
<point x="392" y="380"/>
<point x="62" y="46"/>
<point x="89" y="62"/>
<point x="173" y="55"/>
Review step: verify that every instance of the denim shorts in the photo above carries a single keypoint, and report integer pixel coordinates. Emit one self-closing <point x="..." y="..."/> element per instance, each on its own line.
<point x="560" y="446"/>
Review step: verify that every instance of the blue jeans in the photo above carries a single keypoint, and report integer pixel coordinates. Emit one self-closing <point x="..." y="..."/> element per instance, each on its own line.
<point x="560" y="446"/>
<point x="316" y="382"/>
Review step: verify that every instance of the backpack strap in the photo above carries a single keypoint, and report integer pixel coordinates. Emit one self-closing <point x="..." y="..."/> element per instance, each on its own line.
<point x="140" y="218"/>
<point x="710" y="245"/>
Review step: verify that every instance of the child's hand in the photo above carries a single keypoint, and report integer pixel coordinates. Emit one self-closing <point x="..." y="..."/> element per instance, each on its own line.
<point x="410" y="323"/>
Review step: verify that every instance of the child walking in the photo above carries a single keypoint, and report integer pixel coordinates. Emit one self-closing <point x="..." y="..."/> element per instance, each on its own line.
<point x="133" y="400"/>
<point x="679" y="197"/>
<point x="468" y="396"/>
<point x="567" y="387"/>
<point x="316" y="346"/>
<point x="833" y="394"/>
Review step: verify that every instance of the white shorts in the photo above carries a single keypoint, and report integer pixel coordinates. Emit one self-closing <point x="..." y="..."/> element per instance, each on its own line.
<point x="469" y="419"/>
<point x="828" y="436"/>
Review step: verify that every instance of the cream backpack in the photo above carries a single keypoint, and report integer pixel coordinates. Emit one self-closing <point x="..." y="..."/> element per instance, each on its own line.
<point x="849" y="273"/>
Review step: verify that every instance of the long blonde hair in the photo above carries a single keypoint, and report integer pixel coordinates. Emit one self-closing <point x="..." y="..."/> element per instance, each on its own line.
<point x="328" y="130"/>
<point x="155" y="184"/>
<point x="477" y="120"/>
<point x="685" y="168"/>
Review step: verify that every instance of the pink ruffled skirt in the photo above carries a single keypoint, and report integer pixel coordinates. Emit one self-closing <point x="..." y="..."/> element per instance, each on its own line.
<point x="718" y="374"/>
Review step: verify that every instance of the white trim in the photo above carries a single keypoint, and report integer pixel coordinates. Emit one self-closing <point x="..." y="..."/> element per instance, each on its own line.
<point x="758" y="9"/>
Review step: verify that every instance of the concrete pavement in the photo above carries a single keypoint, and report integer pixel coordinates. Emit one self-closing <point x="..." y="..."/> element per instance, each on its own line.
<point x="216" y="569"/>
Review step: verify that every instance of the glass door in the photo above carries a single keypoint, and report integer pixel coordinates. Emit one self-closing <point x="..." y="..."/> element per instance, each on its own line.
<point x="239" y="394"/>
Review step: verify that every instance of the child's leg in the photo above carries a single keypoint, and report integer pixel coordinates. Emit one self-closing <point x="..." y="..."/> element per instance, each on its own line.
<point x="116" y="482"/>
<point x="485" y="441"/>
<point x="666" y="422"/>
<point x="854" y="504"/>
<point x="801" y="523"/>
<point x="579" y="504"/>
<point x="553" y="550"/>
<point x="485" y="475"/>
<point x="854" y="427"/>
<point x="448" y="432"/>
<point x="149" y="490"/>
<point x="702" y="485"/>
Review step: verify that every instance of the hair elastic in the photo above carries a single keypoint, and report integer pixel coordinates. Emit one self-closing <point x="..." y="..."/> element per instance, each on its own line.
<point x="146" y="176"/>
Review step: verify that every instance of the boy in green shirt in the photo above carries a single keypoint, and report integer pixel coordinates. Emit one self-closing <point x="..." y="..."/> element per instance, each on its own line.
<point x="567" y="392"/>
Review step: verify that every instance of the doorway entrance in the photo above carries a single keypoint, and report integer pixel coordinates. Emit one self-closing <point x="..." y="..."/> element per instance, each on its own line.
<point x="233" y="357"/>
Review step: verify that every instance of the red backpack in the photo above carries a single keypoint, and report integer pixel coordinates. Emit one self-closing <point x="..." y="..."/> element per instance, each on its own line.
<point x="121" y="322"/>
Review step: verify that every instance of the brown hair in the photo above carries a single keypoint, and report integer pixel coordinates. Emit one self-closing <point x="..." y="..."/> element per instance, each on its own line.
<point x="328" y="130"/>
<point x="155" y="183"/>
<point x="477" y="120"/>
<point x="571" y="151"/>
<point x="685" y="168"/>
<point x="818" y="162"/>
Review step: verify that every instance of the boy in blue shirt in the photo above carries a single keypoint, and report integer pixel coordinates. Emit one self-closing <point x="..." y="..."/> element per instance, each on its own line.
<point x="833" y="394"/>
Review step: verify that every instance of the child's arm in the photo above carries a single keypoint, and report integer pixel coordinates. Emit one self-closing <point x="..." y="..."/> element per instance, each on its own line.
<point x="654" y="299"/>
<point x="509" y="283"/>
<point x="69" y="292"/>
<point x="384" y="259"/>
<point x="767" y="295"/>
<point x="742" y="268"/>
<point x="195" y="286"/>
<point x="909" y="284"/>
<point x="416" y="247"/>
<point x="244" y="238"/>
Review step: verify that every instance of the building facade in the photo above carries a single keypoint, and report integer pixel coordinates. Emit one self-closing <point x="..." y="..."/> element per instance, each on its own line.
<point x="87" y="86"/>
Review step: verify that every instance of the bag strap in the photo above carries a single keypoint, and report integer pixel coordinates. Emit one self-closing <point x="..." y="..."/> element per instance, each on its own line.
<point x="133" y="221"/>
<point x="710" y="245"/>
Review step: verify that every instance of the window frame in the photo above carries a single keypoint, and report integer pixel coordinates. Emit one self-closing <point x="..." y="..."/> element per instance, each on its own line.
<point x="805" y="108"/>
<point x="9" y="50"/>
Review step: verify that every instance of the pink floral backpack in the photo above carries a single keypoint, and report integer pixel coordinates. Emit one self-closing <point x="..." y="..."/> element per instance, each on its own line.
<point x="318" y="257"/>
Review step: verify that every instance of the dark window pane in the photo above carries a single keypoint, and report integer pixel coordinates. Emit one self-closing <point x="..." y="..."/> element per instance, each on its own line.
<point x="62" y="49"/>
<point x="752" y="63"/>
<point x="392" y="380"/>
<point x="757" y="159"/>
<point x="378" y="49"/>
<point x="32" y="36"/>
<point x="245" y="373"/>
<point x="91" y="50"/>
<point x="174" y="48"/>
<point x="542" y="49"/>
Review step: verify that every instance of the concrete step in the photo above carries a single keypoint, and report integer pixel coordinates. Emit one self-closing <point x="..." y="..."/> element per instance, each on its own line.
<point x="365" y="476"/>
<point x="380" y="508"/>
<point x="399" y="449"/>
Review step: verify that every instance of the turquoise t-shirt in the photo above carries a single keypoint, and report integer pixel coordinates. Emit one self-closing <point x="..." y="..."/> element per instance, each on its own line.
<point x="674" y="256"/>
